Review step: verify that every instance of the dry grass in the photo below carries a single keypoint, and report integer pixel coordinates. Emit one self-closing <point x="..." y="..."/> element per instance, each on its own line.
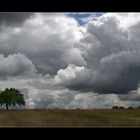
<point x="61" y="117"/>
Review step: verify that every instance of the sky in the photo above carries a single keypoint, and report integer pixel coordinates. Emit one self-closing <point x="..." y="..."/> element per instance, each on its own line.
<point x="71" y="60"/>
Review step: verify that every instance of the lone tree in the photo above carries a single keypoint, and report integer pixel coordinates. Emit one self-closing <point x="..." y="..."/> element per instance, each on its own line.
<point x="11" y="97"/>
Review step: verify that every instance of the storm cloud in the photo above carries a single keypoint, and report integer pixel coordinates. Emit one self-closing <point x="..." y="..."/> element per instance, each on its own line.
<point x="112" y="54"/>
<point x="13" y="18"/>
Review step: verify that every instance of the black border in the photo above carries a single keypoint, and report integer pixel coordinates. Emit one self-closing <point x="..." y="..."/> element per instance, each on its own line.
<point x="70" y="6"/>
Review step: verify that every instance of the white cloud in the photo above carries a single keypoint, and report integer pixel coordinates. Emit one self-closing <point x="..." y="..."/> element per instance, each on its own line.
<point x="48" y="40"/>
<point x="16" y="65"/>
<point x="64" y="75"/>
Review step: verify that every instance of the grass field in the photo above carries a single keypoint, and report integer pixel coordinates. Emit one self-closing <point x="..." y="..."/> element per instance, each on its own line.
<point x="61" y="117"/>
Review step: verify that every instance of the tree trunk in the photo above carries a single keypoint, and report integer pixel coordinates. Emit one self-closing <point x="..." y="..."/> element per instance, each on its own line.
<point x="7" y="108"/>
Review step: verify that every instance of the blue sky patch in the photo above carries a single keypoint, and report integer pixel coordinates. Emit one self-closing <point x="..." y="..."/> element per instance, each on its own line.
<point x="83" y="18"/>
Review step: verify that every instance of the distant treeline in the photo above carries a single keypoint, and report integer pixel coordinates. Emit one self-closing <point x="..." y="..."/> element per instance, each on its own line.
<point x="121" y="107"/>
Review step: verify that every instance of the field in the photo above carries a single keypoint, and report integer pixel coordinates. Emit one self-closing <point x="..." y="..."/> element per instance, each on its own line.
<point x="78" y="117"/>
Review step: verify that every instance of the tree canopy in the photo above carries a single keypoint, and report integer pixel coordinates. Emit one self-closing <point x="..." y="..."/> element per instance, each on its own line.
<point x="11" y="97"/>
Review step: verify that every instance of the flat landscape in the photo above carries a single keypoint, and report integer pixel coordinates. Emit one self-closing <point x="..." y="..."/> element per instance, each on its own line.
<point x="77" y="117"/>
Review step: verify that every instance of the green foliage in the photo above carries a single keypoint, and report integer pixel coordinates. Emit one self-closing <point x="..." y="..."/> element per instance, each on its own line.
<point x="11" y="97"/>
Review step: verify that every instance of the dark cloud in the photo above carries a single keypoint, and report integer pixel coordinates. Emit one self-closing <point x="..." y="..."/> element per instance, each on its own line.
<point x="49" y="44"/>
<point x="13" y="18"/>
<point x="131" y="96"/>
<point x="112" y="54"/>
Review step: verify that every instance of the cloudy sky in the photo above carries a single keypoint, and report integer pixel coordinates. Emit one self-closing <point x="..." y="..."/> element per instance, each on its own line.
<point x="71" y="60"/>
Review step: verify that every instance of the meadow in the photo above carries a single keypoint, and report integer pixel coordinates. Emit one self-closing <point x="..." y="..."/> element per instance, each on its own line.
<point x="77" y="117"/>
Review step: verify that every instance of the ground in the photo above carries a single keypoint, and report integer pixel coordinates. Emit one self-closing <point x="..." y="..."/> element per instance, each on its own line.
<point x="77" y="117"/>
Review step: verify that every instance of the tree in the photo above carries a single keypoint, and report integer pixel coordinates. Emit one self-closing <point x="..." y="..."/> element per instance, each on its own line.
<point x="130" y="107"/>
<point x="121" y="107"/>
<point x="115" y="107"/>
<point x="11" y="97"/>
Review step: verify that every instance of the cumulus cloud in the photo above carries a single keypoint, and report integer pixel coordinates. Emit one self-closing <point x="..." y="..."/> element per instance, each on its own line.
<point x="49" y="44"/>
<point x="112" y="53"/>
<point x="67" y="99"/>
<point x="16" y="65"/>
